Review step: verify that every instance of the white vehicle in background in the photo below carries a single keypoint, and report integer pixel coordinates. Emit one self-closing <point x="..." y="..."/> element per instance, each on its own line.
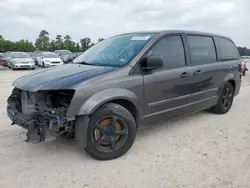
<point x="48" y="59"/>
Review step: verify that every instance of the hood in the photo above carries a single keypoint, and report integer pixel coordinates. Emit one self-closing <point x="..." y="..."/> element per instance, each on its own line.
<point x="22" y="59"/>
<point x="59" y="77"/>
<point x="53" y="59"/>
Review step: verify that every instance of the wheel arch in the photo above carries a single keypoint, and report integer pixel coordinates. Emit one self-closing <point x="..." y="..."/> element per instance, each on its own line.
<point x="232" y="81"/>
<point x="129" y="106"/>
<point x="228" y="79"/>
<point x="123" y="97"/>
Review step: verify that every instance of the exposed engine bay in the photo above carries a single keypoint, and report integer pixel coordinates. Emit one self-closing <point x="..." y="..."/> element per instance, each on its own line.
<point x="42" y="113"/>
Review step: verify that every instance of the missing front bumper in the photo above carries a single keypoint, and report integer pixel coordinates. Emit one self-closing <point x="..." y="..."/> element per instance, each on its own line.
<point x="42" y="122"/>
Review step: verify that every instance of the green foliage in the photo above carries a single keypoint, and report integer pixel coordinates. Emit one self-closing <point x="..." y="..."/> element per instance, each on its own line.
<point x="22" y="45"/>
<point x="100" y="39"/>
<point x="244" y="51"/>
<point x="85" y="43"/>
<point x="44" y="43"/>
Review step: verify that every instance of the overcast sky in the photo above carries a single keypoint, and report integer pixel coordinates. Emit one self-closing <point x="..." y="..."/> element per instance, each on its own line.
<point x="102" y="18"/>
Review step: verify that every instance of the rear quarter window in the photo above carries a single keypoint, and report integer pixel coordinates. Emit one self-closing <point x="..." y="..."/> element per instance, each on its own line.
<point x="226" y="49"/>
<point x="202" y="50"/>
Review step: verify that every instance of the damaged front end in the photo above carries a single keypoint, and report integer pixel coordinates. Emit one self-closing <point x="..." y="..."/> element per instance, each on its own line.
<point x="42" y="113"/>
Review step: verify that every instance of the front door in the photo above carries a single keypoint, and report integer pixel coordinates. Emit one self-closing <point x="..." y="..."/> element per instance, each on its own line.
<point x="167" y="90"/>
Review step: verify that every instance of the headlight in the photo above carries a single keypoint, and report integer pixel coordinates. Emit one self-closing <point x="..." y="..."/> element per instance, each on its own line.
<point x="47" y="61"/>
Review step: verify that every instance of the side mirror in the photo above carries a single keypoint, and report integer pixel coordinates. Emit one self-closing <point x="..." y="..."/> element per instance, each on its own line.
<point x="152" y="62"/>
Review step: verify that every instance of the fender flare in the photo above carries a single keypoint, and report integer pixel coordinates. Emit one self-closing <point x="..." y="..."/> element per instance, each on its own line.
<point x="226" y="79"/>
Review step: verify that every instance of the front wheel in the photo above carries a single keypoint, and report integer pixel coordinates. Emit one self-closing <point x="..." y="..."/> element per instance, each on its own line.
<point x="225" y="101"/>
<point x="111" y="132"/>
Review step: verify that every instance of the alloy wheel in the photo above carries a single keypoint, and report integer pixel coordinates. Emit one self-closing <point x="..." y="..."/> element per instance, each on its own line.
<point x="109" y="134"/>
<point x="227" y="98"/>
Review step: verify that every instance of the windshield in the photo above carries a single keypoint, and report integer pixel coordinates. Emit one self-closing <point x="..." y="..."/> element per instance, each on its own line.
<point x="19" y="55"/>
<point x="34" y="54"/>
<point x="50" y="56"/>
<point x="116" y="51"/>
<point x="63" y="53"/>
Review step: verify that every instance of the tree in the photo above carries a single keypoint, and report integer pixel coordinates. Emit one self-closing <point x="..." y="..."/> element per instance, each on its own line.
<point x="100" y="39"/>
<point x="52" y="45"/>
<point x="2" y="49"/>
<point x="42" y="42"/>
<point x="85" y="43"/>
<point x="59" y="42"/>
<point x="244" y="51"/>
<point x="78" y="48"/>
<point x="22" y="45"/>
<point x="67" y="42"/>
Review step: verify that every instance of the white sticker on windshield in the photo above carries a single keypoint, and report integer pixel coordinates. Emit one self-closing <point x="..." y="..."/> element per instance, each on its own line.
<point x="140" y="38"/>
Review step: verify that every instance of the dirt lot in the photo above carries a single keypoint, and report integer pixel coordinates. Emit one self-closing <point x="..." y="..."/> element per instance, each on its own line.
<point x="202" y="150"/>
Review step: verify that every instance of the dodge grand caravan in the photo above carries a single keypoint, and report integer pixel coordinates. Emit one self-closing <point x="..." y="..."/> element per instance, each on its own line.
<point x="124" y="83"/>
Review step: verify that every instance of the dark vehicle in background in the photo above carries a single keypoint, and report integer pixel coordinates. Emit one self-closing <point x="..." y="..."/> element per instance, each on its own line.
<point x="34" y="56"/>
<point x="18" y="60"/>
<point x="75" y="55"/>
<point x="124" y="83"/>
<point x="65" y="55"/>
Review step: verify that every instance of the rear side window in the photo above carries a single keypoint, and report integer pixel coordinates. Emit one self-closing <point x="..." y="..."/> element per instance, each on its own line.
<point x="202" y="50"/>
<point x="226" y="48"/>
<point x="171" y="50"/>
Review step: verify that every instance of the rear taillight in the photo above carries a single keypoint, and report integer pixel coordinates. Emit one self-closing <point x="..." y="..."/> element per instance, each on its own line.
<point x="241" y="68"/>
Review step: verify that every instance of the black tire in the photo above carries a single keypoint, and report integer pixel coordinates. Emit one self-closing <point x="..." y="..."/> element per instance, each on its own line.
<point x="225" y="98"/>
<point x="126" y="140"/>
<point x="43" y="65"/>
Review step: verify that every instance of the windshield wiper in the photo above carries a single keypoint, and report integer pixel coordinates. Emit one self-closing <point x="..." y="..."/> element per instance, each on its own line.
<point x="83" y="63"/>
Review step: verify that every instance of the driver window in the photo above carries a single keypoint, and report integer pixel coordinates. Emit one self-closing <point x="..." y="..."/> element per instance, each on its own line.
<point x="171" y="50"/>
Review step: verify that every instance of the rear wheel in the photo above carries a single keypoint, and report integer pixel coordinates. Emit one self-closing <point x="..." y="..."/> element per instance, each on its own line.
<point x="225" y="101"/>
<point x="111" y="132"/>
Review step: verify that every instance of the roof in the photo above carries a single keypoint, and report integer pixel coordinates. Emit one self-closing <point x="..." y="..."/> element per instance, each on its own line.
<point x="47" y="53"/>
<point x="19" y="52"/>
<point x="176" y="32"/>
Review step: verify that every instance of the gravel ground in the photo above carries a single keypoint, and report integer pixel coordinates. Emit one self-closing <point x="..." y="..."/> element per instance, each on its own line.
<point x="201" y="150"/>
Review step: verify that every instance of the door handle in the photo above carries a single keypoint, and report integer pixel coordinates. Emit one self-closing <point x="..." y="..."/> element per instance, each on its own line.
<point x="184" y="75"/>
<point x="198" y="72"/>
